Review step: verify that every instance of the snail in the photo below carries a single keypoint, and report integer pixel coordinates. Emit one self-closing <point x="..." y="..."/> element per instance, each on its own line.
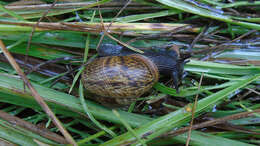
<point x="124" y="75"/>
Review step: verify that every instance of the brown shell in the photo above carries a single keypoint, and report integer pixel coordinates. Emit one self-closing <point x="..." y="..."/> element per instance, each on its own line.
<point x="120" y="77"/>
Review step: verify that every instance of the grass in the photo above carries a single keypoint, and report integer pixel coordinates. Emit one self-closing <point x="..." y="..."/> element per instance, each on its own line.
<point x="229" y="62"/>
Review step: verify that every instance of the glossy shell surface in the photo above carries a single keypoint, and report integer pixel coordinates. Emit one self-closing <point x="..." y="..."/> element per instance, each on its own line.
<point x="120" y="77"/>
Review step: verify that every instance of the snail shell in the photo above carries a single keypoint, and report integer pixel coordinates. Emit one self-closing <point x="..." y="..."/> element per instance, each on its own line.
<point x="123" y="78"/>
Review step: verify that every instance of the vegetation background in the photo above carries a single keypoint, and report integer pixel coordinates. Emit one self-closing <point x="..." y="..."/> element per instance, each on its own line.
<point x="219" y="97"/>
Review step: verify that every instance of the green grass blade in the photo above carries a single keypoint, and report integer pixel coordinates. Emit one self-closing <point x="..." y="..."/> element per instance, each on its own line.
<point x="11" y="13"/>
<point x="11" y="91"/>
<point x="182" y="5"/>
<point x="179" y="117"/>
<point x="134" y="18"/>
<point x="129" y="128"/>
<point x="205" y="139"/>
<point x="16" y="137"/>
<point x="19" y="130"/>
<point x="210" y="67"/>
<point x="189" y="91"/>
<point x="241" y="3"/>
<point x="94" y="136"/>
<point x="87" y="111"/>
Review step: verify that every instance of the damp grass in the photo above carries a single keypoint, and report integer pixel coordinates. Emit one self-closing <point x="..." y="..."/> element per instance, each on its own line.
<point x="230" y="83"/>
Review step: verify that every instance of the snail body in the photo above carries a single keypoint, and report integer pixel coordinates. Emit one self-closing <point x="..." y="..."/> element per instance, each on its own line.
<point x="167" y="61"/>
<point x="124" y="75"/>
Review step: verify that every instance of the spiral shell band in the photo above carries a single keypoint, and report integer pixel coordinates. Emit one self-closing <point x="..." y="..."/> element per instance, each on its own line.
<point x="120" y="76"/>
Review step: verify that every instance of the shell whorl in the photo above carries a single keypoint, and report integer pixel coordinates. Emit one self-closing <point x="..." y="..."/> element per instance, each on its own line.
<point x="120" y="76"/>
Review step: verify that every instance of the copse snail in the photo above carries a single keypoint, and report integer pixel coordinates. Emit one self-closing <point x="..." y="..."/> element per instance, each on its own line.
<point x="124" y="75"/>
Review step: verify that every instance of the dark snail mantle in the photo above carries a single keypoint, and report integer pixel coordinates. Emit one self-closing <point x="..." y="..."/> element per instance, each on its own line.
<point x="125" y="75"/>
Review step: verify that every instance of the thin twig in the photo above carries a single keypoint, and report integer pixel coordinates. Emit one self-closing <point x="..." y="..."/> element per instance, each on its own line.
<point x="252" y="90"/>
<point x="212" y="122"/>
<point x="201" y="78"/>
<point x="235" y="128"/>
<point x="34" y="68"/>
<point x="198" y="37"/>
<point x="36" y="95"/>
<point x="15" y="121"/>
<point x="74" y="5"/>
<point x="35" y="26"/>
<point x="105" y="31"/>
<point x="193" y="111"/>
<point x="116" y="28"/>
<point x="217" y="47"/>
<point x="169" y="34"/>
